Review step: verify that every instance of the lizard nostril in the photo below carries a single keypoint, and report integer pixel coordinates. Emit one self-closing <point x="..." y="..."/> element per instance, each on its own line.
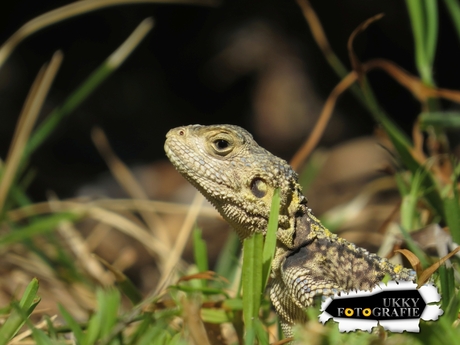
<point x="181" y="132"/>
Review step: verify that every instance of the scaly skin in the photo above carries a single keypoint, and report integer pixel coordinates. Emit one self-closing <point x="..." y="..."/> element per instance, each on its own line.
<point x="239" y="178"/>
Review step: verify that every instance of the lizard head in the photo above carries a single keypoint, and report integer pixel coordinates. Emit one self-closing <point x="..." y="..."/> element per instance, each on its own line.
<point x="235" y="174"/>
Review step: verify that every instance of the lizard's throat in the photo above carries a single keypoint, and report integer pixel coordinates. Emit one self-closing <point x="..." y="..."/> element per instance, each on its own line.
<point x="242" y="221"/>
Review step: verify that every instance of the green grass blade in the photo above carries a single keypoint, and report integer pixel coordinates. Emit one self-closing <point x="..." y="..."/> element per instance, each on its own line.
<point x="447" y="282"/>
<point x="19" y="315"/>
<point x="404" y="148"/>
<point x="414" y="248"/>
<point x="427" y="181"/>
<point x="431" y="11"/>
<point x="252" y="283"/>
<point x="452" y="208"/>
<point x="92" y="332"/>
<point x="445" y="120"/>
<point x="51" y="329"/>
<point x="261" y="333"/>
<point x="248" y="289"/>
<point x="270" y="239"/>
<point x="454" y="11"/>
<point x="102" y="323"/>
<point x="38" y="227"/>
<point x="311" y="170"/>
<point x="124" y="284"/>
<point x="108" y="304"/>
<point x="19" y="197"/>
<point x="401" y="142"/>
<point x="73" y="324"/>
<point x="30" y="294"/>
<point x="417" y="14"/>
<point x="227" y="263"/>
<point x="200" y="252"/>
<point x="88" y="86"/>
<point x="41" y="338"/>
<point x="130" y="290"/>
<point x="152" y="334"/>
<point x="409" y="213"/>
<point x="218" y="316"/>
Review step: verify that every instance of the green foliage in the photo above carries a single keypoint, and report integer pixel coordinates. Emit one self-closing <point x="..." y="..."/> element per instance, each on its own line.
<point x="257" y="258"/>
<point x="37" y="226"/>
<point x="424" y="19"/>
<point x="200" y="253"/>
<point x="422" y="187"/>
<point x="442" y="120"/>
<point x="19" y="313"/>
<point x="252" y="283"/>
<point x="270" y="239"/>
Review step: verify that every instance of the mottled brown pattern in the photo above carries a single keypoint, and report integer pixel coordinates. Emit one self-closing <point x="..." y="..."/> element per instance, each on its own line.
<point x="239" y="178"/>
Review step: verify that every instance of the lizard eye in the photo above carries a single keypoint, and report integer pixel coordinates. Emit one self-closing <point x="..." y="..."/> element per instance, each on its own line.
<point x="259" y="187"/>
<point x="221" y="144"/>
<point x="222" y="147"/>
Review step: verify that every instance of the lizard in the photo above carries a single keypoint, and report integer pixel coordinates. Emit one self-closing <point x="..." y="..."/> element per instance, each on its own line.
<point x="239" y="178"/>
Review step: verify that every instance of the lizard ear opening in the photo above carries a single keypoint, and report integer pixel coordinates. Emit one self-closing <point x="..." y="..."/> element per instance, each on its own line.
<point x="258" y="187"/>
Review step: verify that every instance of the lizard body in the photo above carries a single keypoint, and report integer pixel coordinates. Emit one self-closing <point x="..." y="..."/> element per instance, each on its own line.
<point x="239" y="178"/>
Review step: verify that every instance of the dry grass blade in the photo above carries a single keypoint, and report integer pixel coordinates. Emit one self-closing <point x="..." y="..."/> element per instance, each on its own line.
<point x="119" y="276"/>
<point x="95" y="212"/>
<point x="120" y="55"/>
<point x="43" y="208"/>
<point x="181" y="240"/>
<point x="352" y="209"/>
<point x="158" y="206"/>
<point x="130" y="228"/>
<point x="115" y="205"/>
<point x="315" y="27"/>
<point x="81" y="251"/>
<point x="306" y="149"/>
<point x="418" y="140"/>
<point x="355" y="63"/>
<point x="412" y="83"/>
<point x="27" y="119"/>
<point x="42" y="324"/>
<point x="418" y="89"/>
<point x="426" y="274"/>
<point x="208" y="275"/>
<point x="191" y="312"/>
<point x="74" y="9"/>
<point x="77" y="297"/>
<point x="129" y="183"/>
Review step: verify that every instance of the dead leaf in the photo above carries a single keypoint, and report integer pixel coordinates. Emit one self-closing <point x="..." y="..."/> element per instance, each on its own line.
<point x="208" y="275"/>
<point x="426" y="274"/>
<point x="413" y="259"/>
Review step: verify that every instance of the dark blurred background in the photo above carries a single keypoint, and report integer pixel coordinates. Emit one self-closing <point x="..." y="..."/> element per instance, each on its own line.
<point x="250" y="63"/>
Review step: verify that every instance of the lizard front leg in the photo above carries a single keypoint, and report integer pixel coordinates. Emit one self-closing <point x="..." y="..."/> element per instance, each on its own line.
<point x="289" y="312"/>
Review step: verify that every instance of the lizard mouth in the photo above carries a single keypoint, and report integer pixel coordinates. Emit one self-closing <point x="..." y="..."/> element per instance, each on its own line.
<point x="171" y="146"/>
<point x="190" y="169"/>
